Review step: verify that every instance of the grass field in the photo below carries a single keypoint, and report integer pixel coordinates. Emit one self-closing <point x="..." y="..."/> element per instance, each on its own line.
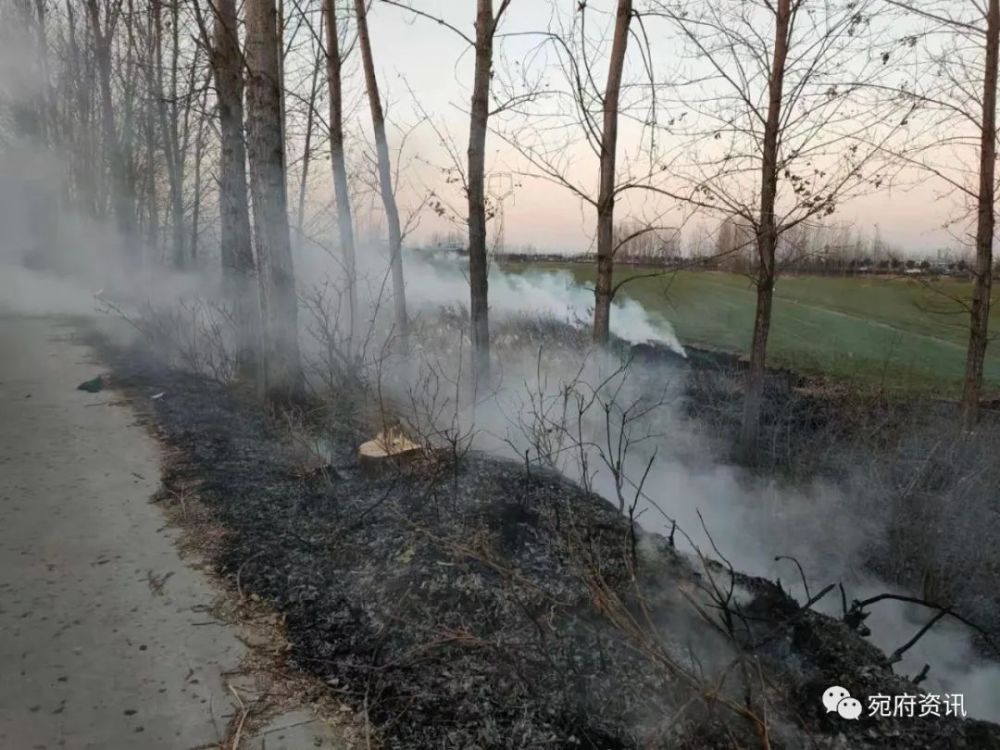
<point x="897" y="333"/>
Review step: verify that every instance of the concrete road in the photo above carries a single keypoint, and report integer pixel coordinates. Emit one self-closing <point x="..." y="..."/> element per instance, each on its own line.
<point x="103" y="641"/>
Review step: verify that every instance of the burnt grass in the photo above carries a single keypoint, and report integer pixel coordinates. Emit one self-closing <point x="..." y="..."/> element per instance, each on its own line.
<point x="899" y="458"/>
<point x="485" y="604"/>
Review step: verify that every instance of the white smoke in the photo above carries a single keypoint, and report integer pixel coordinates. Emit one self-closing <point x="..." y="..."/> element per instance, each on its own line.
<point x="533" y="292"/>
<point x="749" y="519"/>
<point x="435" y="280"/>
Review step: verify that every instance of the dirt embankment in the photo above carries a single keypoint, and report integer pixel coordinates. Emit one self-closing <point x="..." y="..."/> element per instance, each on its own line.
<point x="485" y="604"/>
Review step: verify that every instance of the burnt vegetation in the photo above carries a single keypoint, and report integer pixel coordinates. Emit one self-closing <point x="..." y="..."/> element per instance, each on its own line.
<point x="506" y="567"/>
<point x="464" y="600"/>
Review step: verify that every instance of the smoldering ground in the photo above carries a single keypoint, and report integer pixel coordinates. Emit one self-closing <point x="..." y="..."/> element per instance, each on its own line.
<point x="543" y="361"/>
<point x="828" y="524"/>
<point x="486" y="602"/>
<point x="541" y="358"/>
<point x="483" y="599"/>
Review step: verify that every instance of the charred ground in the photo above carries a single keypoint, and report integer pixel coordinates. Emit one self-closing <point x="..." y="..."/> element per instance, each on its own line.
<point x="900" y="460"/>
<point x="483" y="603"/>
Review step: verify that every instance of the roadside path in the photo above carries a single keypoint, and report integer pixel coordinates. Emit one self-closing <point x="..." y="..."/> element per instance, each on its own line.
<point x="103" y="637"/>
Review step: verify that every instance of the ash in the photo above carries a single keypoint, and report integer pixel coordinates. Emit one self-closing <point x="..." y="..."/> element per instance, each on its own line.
<point x="486" y="604"/>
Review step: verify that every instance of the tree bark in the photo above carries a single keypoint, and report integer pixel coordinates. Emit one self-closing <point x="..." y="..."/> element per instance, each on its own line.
<point x="167" y="116"/>
<point x="606" y="189"/>
<point x="234" y="214"/>
<point x="979" y="317"/>
<point x="307" y="149"/>
<point x="127" y="103"/>
<point x="28" y="109"/>
<point x="117" y="167"/>
<point x="199" y="153"/>
<point x="338" y="162"/>
<point x="31" y="120"/>
<point x="385" y="174"/>
<point x="75" y="91"/>
<point x="767" y="238"/>
<point x="478" y="267"/>
<point x="283" y="379"/>
<point x="152" y="213"/>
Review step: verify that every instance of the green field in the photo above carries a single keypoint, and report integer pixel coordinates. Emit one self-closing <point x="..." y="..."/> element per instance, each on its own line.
<point x="896" y="333"/>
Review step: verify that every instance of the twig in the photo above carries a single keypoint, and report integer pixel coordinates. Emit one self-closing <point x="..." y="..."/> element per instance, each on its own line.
<point x="922" y="675"/>
<point x="897" y="655"/>
<point x="802" y="573"/>
<point x="858" y="607"/>
<point x="233" y="741"/>
<point x="239" y="572"/>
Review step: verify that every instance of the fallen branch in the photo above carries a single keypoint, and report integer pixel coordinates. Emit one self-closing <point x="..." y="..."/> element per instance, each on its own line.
<point x="857" y="610"/>
<point x="232" y="741"/>
<point x="897" y="655"/>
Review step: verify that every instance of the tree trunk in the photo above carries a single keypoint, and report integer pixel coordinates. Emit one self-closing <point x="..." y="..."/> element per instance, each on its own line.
<point x="28" y="108"/>
<point x="280" y="9"/>
<point x="82" y="163"/>
<point x="767" y="239"/>
<point x="384" y="173"/>
<point x="283" y="380"/>
<point x="345" y="223"/>
<point x="478" y="268"/>
<point x="606" y="190"/>
<point x="152" y="198"/>
<point x="128" y="97"/>
<point x="118" y="169"/>
<point x="199" y="153"/>
<point x="980" y="314"/>
<point x="234" y="214"/>
<point x="307" y="149"/>
<point x="166" y="114"/>
<point x="30" y="115"/>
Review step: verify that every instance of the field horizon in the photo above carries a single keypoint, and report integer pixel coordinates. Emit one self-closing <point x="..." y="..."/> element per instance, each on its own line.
<point x="893" y="333"/>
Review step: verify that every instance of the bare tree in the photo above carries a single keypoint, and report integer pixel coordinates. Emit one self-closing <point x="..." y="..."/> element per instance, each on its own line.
<point x="308" y="146"/>
<point x="166" y="108"/>
<point x="608" y="178"/>
<point x="960" y="47"/>
<point x="283" y="379"/>
<point x="767" y="232"/>
<point x="198" y="198"/>
<point x="26" y="97"/>
<point x="24" y="30"/>
<point x="104" y="20"/>
<point x="486" y="24"/>
<point x="338" y="162"/>
<point x="78" y="99"/>
<point x="473" y="177"/>
<point x="979" y="318"/>
<point x="226" y="59"/>
<point x="149" y="199"/>
<point x="986" y="219"/>
<point x="384" y="172"/>
<point x="585" y="110"/>
<point x="967" y="60"/>
<point x="803" y="108"/>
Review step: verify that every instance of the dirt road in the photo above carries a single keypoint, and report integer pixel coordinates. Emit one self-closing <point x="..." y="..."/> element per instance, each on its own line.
<point x="106" y="635"/>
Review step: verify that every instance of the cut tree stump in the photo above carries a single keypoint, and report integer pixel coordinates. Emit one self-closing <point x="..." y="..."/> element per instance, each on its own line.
<point x="389" y="450"/>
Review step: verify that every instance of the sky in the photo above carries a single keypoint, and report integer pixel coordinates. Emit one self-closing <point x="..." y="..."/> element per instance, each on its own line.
<point x="417" y="58"/>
